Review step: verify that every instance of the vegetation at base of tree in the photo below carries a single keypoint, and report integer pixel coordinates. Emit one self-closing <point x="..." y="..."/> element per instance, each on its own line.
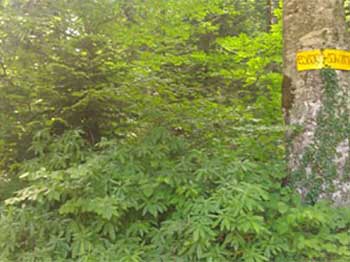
<point x="149" y="131"/>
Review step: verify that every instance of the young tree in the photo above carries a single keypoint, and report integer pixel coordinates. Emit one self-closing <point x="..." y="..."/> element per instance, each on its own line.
<point x="271" y="6"/>
<point x="316" y="102"/>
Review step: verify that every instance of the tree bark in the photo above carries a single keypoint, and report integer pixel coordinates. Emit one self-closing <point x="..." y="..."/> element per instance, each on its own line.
<point x="316" y="102"/>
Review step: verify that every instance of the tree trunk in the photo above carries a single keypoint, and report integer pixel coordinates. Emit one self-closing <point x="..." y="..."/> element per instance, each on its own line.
<point x="316" y="103"/>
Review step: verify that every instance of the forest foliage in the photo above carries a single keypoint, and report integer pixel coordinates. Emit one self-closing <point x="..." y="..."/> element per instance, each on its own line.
<point x="149" y="131"/>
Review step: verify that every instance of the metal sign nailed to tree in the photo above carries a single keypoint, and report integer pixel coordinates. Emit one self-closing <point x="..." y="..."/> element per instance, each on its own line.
<point x="327" y="58"/>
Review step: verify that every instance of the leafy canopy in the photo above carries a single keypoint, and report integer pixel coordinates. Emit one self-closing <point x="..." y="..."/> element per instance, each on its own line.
<point x="149" y="131"/>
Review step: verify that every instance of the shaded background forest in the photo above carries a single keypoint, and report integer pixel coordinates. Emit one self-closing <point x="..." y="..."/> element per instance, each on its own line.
<point x="108" y="69"/>
<point x="149" y="131"/>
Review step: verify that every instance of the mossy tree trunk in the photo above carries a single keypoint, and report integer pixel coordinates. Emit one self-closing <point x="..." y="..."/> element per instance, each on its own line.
<point x="316" y="102"/>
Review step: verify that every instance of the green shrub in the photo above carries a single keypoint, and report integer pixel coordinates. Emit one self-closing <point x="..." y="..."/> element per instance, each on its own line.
<point x="156" y="198"/>
<point x="149" y="131"/>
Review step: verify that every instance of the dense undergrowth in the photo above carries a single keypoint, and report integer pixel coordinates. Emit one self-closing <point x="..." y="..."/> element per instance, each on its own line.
<point x="160" y="198"/>
<point x="149" y="131"/>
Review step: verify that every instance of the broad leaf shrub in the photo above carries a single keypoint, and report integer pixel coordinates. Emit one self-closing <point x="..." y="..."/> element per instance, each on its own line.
<point x="156" y="197"/>
<point x="149" y="131"/>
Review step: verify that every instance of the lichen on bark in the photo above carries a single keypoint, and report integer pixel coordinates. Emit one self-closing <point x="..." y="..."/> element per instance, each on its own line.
<point x="324" y="164"/>
<point x="318" y="113"/>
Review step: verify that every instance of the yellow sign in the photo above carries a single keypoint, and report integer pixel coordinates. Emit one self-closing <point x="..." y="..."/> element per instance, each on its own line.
<point x="327" y="58"/>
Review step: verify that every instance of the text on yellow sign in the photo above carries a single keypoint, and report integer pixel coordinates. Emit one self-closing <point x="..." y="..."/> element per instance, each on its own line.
<point x="327" y="58"/>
